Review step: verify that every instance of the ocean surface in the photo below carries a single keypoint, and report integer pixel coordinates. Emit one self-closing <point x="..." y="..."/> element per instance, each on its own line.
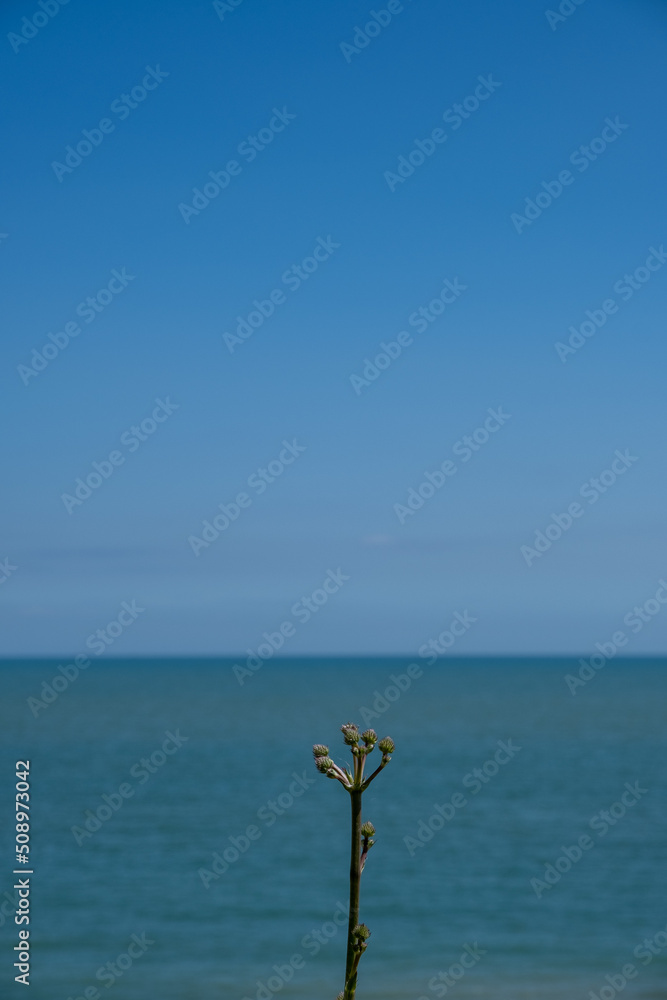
<point x="220" y="870"/>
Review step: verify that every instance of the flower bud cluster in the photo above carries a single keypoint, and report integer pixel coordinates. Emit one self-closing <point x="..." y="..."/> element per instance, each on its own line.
<point x="361" y="744"/>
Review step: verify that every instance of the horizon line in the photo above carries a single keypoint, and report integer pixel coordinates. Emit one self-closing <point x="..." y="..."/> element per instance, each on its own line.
<point x="332" y="656"/>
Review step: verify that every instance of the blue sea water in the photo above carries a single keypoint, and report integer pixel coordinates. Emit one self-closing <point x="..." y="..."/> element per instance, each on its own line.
<point x="267" y="925"/>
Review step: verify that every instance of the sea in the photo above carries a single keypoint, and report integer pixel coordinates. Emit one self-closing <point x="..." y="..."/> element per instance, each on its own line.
<point x="184" y="847"/>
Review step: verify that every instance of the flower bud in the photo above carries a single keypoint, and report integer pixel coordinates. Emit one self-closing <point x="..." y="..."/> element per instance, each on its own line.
<point x="361" y="932"/>
<point x="367" y="830"/>
<point x="386" y="745"/>
<point x="320" y="751"/>
<point x="350" y="733"/>
<point x="323" y="764"/>
<point x="370" y="737"/>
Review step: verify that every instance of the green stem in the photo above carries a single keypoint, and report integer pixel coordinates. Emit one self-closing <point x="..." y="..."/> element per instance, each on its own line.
<point x="375" y="772"/>
<point x="355" y="879"/>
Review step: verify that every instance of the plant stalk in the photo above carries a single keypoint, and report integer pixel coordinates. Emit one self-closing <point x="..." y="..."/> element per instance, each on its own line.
<point x="355" y="880"/>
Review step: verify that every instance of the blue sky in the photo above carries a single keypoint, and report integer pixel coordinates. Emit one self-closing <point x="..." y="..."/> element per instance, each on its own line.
<point x="332" y="125"/>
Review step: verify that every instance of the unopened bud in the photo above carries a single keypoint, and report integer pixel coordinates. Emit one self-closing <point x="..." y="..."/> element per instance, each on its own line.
<point x="361" y="932"/>
<point x="370" y="737"/>
<point x="350" y="733"/>
<point x="367" y="830"/>
<point x="386" y="745"/>
<point x="320" y="751"/>
<point x="324" y="764"/>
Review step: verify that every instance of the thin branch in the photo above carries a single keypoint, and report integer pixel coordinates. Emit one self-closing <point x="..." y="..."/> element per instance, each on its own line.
<point x="377" y="770"/>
